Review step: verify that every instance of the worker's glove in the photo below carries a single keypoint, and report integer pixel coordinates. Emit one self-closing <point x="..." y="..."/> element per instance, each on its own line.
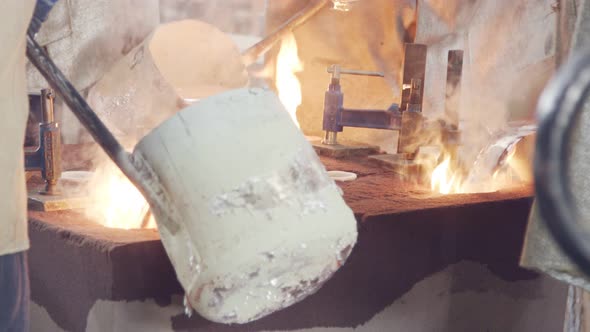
<point x="42" y="9"/>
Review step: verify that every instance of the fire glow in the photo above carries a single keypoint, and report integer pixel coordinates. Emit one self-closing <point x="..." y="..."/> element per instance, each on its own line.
<point x="118" y="203"/>
<point x="288" y="86"/>
<point x="444" y="179"/>
<point x="448" y="177"/>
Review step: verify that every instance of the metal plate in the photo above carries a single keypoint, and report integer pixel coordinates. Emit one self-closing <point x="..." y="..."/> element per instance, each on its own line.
<point x="39" y="202"/>
<point x="346" y="150"/>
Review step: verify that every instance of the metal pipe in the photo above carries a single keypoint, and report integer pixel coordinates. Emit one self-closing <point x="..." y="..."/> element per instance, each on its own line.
<point x="50" y="144"/>
<point x="47" y="106"/>
<point x="331" y="138"/>
<point x="250" y="55"/>
<point x="336" y="70"/>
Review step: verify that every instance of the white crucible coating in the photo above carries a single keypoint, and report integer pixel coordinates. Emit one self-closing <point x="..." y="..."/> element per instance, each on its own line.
<point x="259" y="225"/>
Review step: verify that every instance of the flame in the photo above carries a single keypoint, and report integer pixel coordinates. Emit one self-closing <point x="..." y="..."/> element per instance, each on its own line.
<point x="448" y="178"/>
<point x="288" y="86"/>
<point x="445" y="179"/>
<point x="117" y="202"/>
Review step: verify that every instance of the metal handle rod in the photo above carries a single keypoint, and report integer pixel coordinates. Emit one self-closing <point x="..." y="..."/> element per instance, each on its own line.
<point x="40" y="59"/>
<point x="250" y="55"/>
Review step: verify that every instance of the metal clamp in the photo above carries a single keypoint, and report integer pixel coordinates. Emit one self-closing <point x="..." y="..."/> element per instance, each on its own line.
<point x="47" y="156"/>
<point x="336" y="116"/>
<point x="406" y="117"/>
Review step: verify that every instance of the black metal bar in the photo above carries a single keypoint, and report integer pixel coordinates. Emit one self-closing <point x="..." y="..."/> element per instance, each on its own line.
<point x="414" y="68"/>
<point x="411" y="134"/>
<point x="375" y="119"/>
<point x="40" y="59"/>
<point x="453" y="88"/>
<point x="558" y="109"/>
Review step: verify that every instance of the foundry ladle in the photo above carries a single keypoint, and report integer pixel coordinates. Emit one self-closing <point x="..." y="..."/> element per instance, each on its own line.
<point x="251" y="225"/>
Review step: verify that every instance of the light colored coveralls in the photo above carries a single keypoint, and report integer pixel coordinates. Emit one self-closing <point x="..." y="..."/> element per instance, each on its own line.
<point x="13" y="118"/>
<point x="14" y="290"/>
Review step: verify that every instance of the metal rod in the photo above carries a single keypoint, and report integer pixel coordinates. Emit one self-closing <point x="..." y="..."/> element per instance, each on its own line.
<point x="356" y="72"/>
<point x="40" y="59"/>
<point x="330" y="138"/>
<point x="250" y="55"/>
<point x="47" y="114"/>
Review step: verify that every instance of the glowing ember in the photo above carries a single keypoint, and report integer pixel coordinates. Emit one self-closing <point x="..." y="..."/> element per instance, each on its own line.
<point x="288" y="86"/>
<point x="118" y="204"/>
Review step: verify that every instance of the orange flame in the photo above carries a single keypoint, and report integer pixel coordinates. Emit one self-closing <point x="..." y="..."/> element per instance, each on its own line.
<point x="288" y="86"/>
<point x="117" y="202"/>
<point x="448" y="178"/>
<point x="444" y="179"/>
